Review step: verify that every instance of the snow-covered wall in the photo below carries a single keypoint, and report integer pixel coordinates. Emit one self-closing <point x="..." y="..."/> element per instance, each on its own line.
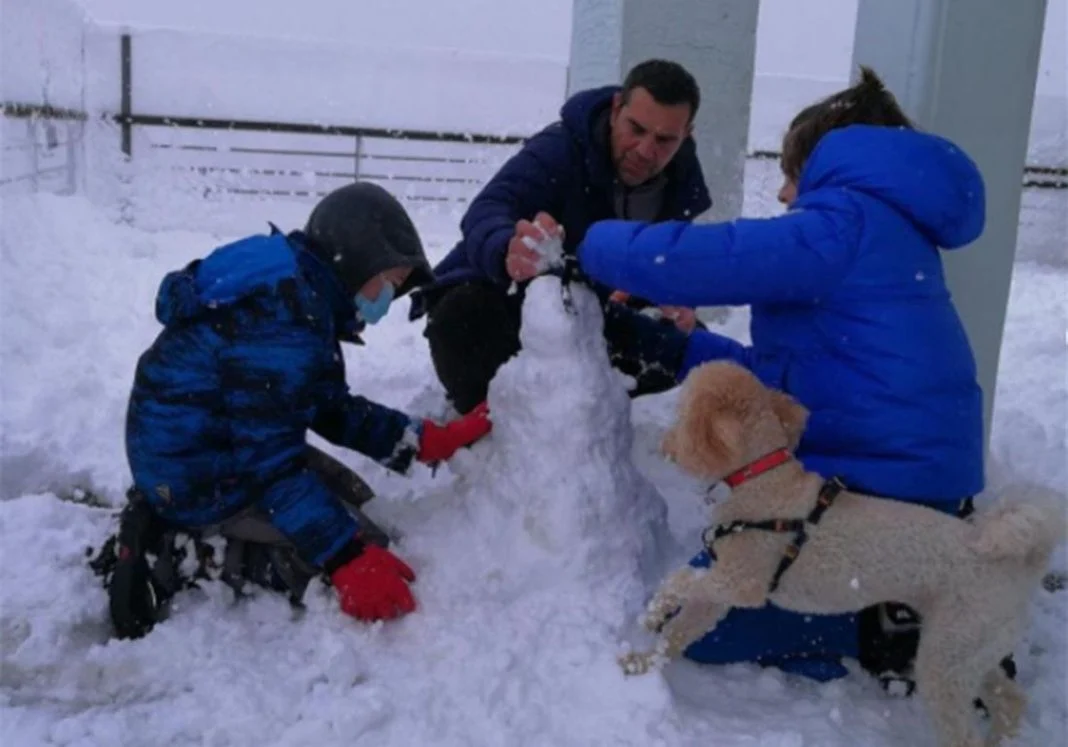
<point x="467" y="65"/>
<point x="296" y="80"/>
<point x="42" y="44"/>
<point x="402" y="60"/>
<point x="517" y="29"/>
<point x="42" y="61"/>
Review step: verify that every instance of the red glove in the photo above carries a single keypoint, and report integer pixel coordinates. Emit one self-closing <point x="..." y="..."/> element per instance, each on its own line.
<point x="374" y="585"/>
<point x="440" y="442"/>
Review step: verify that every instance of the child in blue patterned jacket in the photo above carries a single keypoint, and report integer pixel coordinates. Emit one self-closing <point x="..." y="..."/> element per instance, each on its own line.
<point x="248" y="360"/>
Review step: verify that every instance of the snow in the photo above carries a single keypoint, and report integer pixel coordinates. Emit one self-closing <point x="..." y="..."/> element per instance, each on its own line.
<point x="533" y="550"/>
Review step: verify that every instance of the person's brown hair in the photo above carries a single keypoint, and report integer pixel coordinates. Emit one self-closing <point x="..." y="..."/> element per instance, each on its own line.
<point x="866" y="102"/>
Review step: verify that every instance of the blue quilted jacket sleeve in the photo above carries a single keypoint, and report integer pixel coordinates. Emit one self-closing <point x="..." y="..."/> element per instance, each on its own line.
<point x="386" y="435"/>
<point x="525" y="184"/>
<point x="794" y="257"/>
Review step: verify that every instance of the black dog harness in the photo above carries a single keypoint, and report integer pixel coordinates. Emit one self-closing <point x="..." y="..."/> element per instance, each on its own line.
<point x="830" y="490"/>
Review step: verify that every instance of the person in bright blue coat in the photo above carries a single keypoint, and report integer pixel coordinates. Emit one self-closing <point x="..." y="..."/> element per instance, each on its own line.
<point x="616" y="151"/>
<point x="851" y="315"/>
<point x="249" y="360"/>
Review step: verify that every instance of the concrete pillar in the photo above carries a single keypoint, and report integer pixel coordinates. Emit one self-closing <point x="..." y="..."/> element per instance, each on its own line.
<point x="716" y="41"/>
<point x="966" y="69"/>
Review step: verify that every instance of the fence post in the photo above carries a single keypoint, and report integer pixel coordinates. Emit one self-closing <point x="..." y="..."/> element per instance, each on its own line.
<point x="127" y="94"/>
<point x="72" y="157"/>
<point x="35" y="166"/>
<point x="356" y="162"/>
<point x="933" y="54"/>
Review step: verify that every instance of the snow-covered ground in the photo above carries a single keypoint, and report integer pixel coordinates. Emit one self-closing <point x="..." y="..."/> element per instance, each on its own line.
<point x="530" y="555"/>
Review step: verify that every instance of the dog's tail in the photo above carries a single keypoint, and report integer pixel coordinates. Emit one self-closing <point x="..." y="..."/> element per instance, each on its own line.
<point x="1026" y="528"/>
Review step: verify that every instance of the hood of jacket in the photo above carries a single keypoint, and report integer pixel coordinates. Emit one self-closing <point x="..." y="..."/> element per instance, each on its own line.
<point x="923" y="176"/>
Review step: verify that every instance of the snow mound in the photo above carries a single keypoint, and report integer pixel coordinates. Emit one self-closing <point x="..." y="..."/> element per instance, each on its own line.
<point x="558" y="471"/>
<point x="562" y="537"/>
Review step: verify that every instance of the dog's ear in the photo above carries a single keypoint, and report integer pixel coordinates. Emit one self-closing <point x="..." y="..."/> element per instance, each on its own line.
<point x="791" y="414"/>
<point x="721" y="449"/>
<point x="705" y="443"/>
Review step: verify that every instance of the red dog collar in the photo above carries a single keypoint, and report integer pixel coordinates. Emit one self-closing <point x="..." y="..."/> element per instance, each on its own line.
<point x="758" y="467"/>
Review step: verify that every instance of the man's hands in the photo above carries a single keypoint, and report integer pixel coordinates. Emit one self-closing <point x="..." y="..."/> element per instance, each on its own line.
<point x="538" y="245"/>
<point x="534" y="248"/>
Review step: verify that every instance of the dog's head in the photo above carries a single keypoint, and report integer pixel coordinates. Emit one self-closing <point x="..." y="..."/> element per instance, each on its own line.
<point x="727" y="418"/>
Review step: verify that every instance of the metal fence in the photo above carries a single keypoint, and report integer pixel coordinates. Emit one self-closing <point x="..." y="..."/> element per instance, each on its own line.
<point x="289" y="160"/>
<point x="39" y="148"/>
<point x="269" y="159"/>
<point x="284" y="159"/>
<point x="297" y="161"/>
<point x="293" y="160"/>
<point x="1034" y="177"/>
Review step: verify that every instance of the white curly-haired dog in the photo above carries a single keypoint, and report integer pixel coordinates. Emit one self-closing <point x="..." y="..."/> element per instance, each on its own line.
<point x="788" y="536"/>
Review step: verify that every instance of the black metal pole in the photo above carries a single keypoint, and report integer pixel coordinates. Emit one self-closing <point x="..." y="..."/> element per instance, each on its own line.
<point x="127" y="95"/>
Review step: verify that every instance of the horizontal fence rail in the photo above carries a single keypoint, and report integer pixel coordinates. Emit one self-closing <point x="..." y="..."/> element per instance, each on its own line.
<point x="40" y="146"/>
<point x="1035" y="177"/>
<point x="301" y="160"/>
<point x="19" y="110"/>
<point x="242" y="125"/>
<point x="306" y="162"/>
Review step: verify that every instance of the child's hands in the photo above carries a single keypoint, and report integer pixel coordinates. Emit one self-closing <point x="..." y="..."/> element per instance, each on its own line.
<point x="374" y="585"/>
<point x="684" y="319"/>
<point x="440" y="442"/>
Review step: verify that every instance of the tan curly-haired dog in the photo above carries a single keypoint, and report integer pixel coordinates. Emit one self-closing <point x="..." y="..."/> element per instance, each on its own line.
<point x="971" y="581"/>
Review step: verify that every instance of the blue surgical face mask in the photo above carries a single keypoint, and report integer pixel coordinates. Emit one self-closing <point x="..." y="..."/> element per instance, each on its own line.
<point x="373" y="311"/>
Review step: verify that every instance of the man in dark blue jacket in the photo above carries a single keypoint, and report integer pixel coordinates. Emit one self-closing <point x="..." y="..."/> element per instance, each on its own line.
<point x="247" y="362"/>
<point x="616" y="152"/>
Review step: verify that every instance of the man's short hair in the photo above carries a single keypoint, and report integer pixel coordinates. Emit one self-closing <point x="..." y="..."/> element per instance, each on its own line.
<point x="669" y="83"/>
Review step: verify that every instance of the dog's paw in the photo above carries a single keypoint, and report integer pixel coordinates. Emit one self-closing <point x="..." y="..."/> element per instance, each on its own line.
<point x="1055" y="581"/>
<point x="668" y="599"/>
<point x="637" y="662"/>
<point x="692" y="622"/>
<point x="657" y="615"/>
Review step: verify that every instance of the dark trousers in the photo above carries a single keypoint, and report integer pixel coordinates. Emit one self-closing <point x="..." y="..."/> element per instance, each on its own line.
<point x="142" y="565"/>
<point x="473" y="328"/>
